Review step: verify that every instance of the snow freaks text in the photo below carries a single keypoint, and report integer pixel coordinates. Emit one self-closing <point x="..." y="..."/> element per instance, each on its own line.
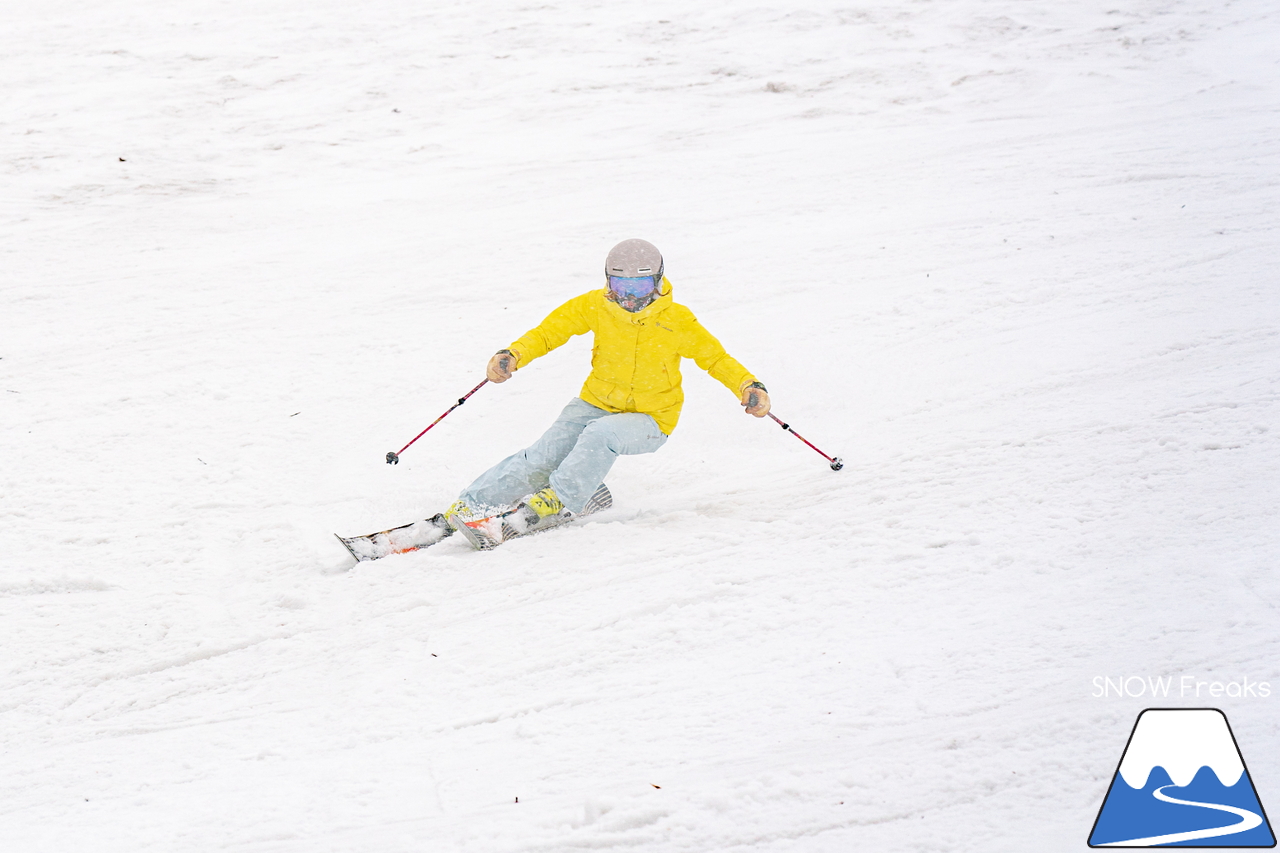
<point x="1184" y="687"/>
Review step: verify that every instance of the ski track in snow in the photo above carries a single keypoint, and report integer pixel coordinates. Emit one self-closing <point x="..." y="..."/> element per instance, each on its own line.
<point x="1015" y="263"/>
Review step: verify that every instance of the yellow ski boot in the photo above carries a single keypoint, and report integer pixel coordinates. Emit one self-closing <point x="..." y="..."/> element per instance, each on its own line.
<point x="535" y="511"/>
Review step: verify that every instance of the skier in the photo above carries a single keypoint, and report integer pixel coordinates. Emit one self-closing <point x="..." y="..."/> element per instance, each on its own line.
<point x="629" y="404"/>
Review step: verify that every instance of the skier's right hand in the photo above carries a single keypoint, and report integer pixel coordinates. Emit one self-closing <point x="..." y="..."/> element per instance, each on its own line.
<point x="501" y="365"/>
<point x="755" y="399"/>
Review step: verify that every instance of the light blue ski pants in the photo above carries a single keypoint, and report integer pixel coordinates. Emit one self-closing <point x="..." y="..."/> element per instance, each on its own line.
<point x="572" y="457"/>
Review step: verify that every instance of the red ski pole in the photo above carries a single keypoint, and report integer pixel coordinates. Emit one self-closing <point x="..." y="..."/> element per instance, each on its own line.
<point x="393" y="458"/>
<point x="836" y="463"/>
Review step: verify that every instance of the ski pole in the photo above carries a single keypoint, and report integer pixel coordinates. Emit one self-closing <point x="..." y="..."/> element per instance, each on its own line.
<point x="393" y="458"/>
<point x="836" y="463"/>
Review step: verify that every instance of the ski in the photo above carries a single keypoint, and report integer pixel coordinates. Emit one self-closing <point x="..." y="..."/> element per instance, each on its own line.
<point x="485" y="534"/>
<point x="397" y="540"/>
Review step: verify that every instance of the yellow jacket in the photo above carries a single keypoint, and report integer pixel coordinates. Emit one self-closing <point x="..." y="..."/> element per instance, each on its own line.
<point x="635" y="362"/>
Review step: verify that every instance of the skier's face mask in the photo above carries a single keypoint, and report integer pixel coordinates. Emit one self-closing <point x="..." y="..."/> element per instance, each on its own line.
<point x="633" y="293"/>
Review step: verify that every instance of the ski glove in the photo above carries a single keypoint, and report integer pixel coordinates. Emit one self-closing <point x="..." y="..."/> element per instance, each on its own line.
<point x="501" y="365"/>
<point x="756" y="399"/>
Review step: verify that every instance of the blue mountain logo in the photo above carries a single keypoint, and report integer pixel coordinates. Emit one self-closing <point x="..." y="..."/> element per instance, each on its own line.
<point x="1182" y="783"/>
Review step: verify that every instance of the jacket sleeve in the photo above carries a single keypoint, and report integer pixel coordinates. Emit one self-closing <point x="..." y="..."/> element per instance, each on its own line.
<point x="571" y="318"/>
<point x="709" y="354"/>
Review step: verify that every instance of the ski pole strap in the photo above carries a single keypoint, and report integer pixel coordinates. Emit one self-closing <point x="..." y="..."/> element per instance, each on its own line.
<point x="836" y="462"/>
<point x="461" y="400"/>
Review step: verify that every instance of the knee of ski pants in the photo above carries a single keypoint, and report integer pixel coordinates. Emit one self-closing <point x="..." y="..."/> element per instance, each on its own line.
<point x="558" y="440"/>
<point x="626" y="434"/>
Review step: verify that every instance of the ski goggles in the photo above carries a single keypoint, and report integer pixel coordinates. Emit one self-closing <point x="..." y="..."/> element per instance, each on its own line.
<point x="633" y="287"/>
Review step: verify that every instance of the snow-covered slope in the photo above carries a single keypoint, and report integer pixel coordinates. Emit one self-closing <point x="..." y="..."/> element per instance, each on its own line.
<point x="1015" y="262"/>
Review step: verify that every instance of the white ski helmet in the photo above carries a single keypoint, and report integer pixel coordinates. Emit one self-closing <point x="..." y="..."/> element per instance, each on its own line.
<point x="633" y="272"/>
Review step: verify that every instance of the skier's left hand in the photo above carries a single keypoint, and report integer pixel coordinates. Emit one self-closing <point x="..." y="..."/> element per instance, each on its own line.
<point x="755" y="399"/>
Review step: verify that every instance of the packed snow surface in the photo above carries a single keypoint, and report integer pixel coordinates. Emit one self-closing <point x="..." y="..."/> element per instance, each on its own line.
<point x="1014" y="260"/>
